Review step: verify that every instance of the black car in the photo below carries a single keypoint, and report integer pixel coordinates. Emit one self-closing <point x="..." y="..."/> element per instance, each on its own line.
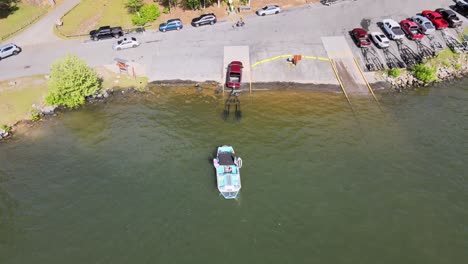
<point x="461" y="7"/>
<point x="204" y="19"/>
<point x="450" y="16"/>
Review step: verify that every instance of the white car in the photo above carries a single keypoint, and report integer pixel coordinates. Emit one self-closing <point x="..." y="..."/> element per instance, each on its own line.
<point x="126" y="43"/>
<point x="425" y="25"/>
<point x="393" y="29"/>
<point x="380" y="39"/>
<point x="268" y="10"/>
<point x="9" y="50"/>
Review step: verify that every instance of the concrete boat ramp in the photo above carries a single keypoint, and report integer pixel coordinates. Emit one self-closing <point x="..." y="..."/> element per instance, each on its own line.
<point x="347" y="70"/>
<point x="242" y="54"/>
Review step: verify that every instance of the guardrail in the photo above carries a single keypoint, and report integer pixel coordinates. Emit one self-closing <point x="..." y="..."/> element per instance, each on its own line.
<point x="24" y="26"/>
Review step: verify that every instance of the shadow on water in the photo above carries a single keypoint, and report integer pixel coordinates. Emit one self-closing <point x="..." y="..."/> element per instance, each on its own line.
<point x="232" y="103"/>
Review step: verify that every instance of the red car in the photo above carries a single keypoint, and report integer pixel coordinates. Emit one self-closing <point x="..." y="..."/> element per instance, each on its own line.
<point x="360" y="37"/>
<point x="411" y="29"/>
<point x="234" y="75"/>
<point x="436" y="19"/>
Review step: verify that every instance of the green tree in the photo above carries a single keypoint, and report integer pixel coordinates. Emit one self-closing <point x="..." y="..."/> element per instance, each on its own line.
<point x="192" y="4"/>
<point x="71" y="81"/>
<point x="169" y="3"/>
<point x="134" y="5"/>
<point x="147" y="13"/>
<point x="7" y="7"/>
<point x="424" y="73"/>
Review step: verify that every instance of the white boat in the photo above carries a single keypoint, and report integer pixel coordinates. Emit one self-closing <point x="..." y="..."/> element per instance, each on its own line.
<point x="228" y="172"/>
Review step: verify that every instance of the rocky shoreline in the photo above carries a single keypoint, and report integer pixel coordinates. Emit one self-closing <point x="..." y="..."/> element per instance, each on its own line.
<point x="448" y="72"/>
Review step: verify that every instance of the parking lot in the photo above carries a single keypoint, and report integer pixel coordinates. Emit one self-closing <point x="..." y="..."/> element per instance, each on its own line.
<point x="403" y="53"/>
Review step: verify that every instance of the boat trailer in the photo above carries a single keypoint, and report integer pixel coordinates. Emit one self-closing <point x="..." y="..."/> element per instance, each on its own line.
<point x="371" y="59"/>
<point x="407" y="54"/>
<point x="435" y="45"/>
<point x="424" y="51"/>
<point x="453" y="43"/>
<point x="232" y="103"/>
<point x="392" y="60"/>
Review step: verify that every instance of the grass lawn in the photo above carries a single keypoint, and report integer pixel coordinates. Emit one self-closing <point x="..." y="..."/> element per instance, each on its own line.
<point x="91" y="14"/>
<point x="16" y="101"/>
<point x="20" y="18"/>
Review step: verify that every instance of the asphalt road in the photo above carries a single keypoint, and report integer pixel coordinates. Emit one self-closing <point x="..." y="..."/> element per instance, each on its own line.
<point x="197" y="53"/>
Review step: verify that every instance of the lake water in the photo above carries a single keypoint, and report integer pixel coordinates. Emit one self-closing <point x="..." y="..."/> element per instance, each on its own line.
<point x="131" y="181"/>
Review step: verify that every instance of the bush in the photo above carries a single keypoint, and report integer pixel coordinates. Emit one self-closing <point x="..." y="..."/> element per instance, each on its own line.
<point x="71" y="81"/>
<point x="395" y="72"/>
<point x="147" y="13"/>
<point x="424" y="73"/>
<point x="458" y="66"/>
<point x="5" y="128"/>
<point x="35" y="117"/>
<point x="166" y="10"/>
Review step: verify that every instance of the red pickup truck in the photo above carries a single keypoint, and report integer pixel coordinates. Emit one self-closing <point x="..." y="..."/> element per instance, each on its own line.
<point x="234" y="75"/>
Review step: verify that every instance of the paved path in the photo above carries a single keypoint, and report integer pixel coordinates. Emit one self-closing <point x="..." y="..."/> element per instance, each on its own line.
<point x="42" y="31"/>
<point x="197" y="53"/>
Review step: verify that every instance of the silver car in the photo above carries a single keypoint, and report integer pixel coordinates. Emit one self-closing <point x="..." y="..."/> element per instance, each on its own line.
<point x="269" y="10"/>
<point x="380" y="40"/>
<point x="126" y="43"/>
<point x="425" y="25"/>
<point x="9" y="50"/>
<point x="393" y="29"/>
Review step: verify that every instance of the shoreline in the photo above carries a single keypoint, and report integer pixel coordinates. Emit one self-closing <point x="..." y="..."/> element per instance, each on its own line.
<point x="210" y="88"/>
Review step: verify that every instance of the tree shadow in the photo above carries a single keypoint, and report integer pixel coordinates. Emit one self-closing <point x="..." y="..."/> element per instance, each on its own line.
<point x="365" y="23"/>
<point x="7" y="7"/>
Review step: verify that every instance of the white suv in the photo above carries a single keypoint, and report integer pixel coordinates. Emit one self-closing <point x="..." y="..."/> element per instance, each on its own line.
<point x="9" y="50"/>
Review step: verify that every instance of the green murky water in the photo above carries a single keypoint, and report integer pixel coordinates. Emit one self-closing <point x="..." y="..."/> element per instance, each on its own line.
<point x="130" y="181"/>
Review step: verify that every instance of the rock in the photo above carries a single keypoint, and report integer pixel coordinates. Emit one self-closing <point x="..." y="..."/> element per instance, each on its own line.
<point x="48" y="110"/>
<point x="116" y="81"/>
<point x="99" y="96"/>
<point x="118" y="76"/>
<point x="13" y="83"/>
<point x="47" y="77"/>
<point x="105" y="94"/>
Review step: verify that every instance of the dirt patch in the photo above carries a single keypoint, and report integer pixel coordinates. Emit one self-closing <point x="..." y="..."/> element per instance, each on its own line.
<point x="89" y="24"/>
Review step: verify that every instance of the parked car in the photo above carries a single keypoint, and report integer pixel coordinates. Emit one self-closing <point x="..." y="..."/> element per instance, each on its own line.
<point x="411" y="29"/>
<point x="360" y="37"/>
<point x="269" y="10"/>
<point x="436" y="19"/>
<point x="204" y="19"/>
<point x="171" y="24"/>
<point x="425" y="25"/>
<point x="106" y="32"/>
<point x="380" y="40"/>
<point x="393" y="29"/>
<point x="126" y="43"/>
<point x="8" y="50"/>
<point x="234" y="75"/>
<point x="461" y="6"/>
<point x="450" y="16"/>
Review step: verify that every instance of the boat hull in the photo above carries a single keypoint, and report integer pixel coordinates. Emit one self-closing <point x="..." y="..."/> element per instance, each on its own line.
<point x="227" y="172"/>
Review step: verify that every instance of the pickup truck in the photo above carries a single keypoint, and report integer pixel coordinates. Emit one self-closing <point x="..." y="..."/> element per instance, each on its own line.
<point x="106" y="32"/>
<point x="461" y="6"/>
